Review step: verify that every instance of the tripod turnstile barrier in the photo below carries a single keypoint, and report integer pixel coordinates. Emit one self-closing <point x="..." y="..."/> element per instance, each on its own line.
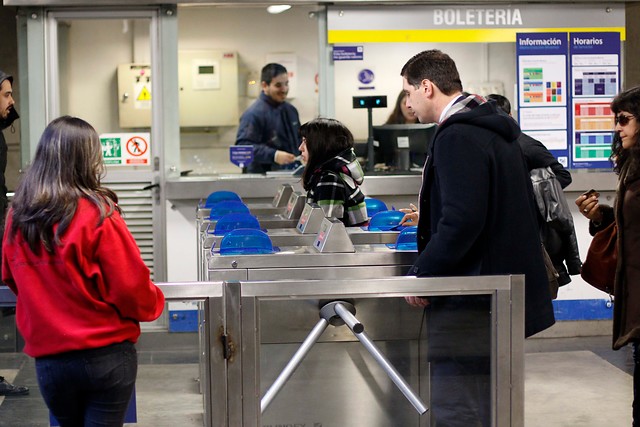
<point x="345" y="312"/>
<point x="253" y="329"/>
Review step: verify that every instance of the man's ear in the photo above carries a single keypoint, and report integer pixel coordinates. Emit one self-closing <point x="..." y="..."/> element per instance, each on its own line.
<point x="426" y="87"/>
<point x="264" y="85"/>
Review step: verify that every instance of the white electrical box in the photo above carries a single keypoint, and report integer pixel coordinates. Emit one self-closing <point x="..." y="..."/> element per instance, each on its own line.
<point x="134" y="95"/>
<point x="207" y="84"/>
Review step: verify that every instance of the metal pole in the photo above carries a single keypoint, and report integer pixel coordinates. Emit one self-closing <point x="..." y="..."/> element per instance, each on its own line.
<point x="370" y="153"/>
<point x="293" y="364"/>
<point x="405" y="388"/>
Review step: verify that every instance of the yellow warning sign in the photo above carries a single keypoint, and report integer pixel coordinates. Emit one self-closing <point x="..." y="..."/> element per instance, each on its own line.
<point x="144" y="95"/>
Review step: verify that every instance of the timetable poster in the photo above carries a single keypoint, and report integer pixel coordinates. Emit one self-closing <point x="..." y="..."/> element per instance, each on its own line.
<point x="595" y="80"/>
<point x="542" y="90"/>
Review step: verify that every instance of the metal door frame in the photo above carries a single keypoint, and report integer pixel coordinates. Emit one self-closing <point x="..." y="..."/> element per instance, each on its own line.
<point x="38" y="58"/>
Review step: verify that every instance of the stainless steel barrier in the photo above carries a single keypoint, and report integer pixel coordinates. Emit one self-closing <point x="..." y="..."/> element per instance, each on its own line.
<point x="254" y="328"/>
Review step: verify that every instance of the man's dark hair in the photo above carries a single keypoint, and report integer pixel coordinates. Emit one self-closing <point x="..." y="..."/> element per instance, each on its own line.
<point x="502" y="102"/>
<point x="436" y="66"/>
<point x="270" y="71"/>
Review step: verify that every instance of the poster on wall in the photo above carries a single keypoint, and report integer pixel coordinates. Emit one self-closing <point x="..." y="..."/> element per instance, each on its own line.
<point x="542" y="90"/>
<point x="595" y="80"/>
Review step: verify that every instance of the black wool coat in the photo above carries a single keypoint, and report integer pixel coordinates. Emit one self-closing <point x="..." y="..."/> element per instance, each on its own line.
<point x="477" y="211"/>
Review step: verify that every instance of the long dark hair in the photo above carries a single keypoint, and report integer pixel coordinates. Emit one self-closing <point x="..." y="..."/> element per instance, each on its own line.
<point x="67" y="166"/>
<point x="628" y="101"/>
<point x="396" y="117"/>
<point x="325" y="139"/>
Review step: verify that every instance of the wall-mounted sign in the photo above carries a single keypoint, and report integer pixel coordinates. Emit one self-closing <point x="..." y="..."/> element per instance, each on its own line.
<point x="466" y="23"/>
<point x="348" y="53"/>
<point x="126" y="149"/>
<point x="595" y="80"/>
<point x="542" y="90"/>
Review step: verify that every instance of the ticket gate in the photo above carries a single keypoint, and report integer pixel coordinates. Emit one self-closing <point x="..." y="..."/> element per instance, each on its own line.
<point x="305" y="231"/>
<point x="293" y="209"/>
<point x="332" y="255"/>
<point x="277" y="205"/>
<point x="278" y="215"/>
<point x="260" y="328"/>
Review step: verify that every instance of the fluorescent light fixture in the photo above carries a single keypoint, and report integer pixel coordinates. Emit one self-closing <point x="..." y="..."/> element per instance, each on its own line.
<point x="278" y="8"/>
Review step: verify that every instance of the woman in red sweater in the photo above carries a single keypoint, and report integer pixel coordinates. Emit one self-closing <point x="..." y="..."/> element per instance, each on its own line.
<point x="80" y="282"/>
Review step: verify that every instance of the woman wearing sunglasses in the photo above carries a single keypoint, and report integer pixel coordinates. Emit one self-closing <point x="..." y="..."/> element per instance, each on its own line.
<point x="625" y="156"/>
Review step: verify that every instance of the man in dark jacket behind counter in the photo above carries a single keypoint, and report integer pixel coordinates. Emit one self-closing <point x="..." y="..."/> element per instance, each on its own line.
<point x="8" y="115"/>
<point x="477" y="217"/>
<point x="271" y="124"/>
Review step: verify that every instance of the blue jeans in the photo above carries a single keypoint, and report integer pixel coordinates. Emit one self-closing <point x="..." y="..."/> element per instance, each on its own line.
<point x="88" y="388"/>
<point x="459" y="340"/>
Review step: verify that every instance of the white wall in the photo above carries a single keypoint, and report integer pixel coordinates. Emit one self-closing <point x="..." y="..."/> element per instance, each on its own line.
<point x="91" y="91"/>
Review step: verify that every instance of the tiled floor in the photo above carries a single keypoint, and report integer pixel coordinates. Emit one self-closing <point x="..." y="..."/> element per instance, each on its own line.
<point x="569" y="382"/>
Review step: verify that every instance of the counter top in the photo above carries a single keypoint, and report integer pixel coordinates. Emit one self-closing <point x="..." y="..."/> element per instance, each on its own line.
<point x="255" y="186"/>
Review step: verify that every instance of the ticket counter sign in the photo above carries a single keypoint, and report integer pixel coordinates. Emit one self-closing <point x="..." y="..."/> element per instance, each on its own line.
<point x="126" y="149"/>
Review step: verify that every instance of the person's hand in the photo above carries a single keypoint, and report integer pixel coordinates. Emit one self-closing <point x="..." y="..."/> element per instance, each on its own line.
<point x="284" y="158"/>
<point x="588" y="205"/>
<point x="417" y="301"/>
<point x="411" y="215"/>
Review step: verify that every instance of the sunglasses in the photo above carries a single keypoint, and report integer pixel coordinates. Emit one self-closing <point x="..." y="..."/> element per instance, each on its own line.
<point x="623" y="119"/>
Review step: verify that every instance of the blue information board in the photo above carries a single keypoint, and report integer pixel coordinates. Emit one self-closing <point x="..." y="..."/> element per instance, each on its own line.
<point x="595" y="80"/>
<point x="543" y="98"/>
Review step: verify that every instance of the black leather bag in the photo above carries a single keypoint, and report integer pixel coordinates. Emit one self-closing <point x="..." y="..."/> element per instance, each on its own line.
<point x="552" y="274"/>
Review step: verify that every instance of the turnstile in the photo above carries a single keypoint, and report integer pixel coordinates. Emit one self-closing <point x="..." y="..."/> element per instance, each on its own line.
<point x="254" y="329"/>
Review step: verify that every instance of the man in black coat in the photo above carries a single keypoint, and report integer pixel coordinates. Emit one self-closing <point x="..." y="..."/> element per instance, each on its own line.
<point x="8" y="115"/>
<point x="477" y="217"/>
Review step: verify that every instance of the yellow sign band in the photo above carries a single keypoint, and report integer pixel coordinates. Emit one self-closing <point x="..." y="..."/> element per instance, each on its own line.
<point x="475" y="35"/>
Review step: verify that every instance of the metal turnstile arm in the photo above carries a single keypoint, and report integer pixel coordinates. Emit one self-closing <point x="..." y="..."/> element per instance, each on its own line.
<point x="293" y="364"/>
<point x="405" y="388"/>
<point x="328" y="312"/>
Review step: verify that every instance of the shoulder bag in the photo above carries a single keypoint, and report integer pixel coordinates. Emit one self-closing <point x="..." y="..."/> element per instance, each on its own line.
<point x="599" y="268"/>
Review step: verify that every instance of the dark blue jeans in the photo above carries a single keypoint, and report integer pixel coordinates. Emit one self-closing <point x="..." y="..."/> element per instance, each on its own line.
<point x="459" y="340"/>
<point x="88" y="388"/>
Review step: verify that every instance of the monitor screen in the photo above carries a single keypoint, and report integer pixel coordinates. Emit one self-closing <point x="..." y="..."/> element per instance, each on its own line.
<point x="392" y="143"/>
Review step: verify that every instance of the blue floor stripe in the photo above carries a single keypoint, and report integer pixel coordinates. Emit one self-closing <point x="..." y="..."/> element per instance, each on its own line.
<point x="584" y="309"/>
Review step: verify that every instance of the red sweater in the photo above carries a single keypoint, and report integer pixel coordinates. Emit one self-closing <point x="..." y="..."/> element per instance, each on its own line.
<point x="91" y="292"/>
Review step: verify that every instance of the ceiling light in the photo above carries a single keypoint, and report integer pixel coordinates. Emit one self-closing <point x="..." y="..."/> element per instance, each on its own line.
<point x="278" y="8"/>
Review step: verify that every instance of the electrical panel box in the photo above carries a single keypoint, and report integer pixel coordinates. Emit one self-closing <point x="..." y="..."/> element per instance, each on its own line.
<point x="207" y="84"/>
<point x="134" y="95"/>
